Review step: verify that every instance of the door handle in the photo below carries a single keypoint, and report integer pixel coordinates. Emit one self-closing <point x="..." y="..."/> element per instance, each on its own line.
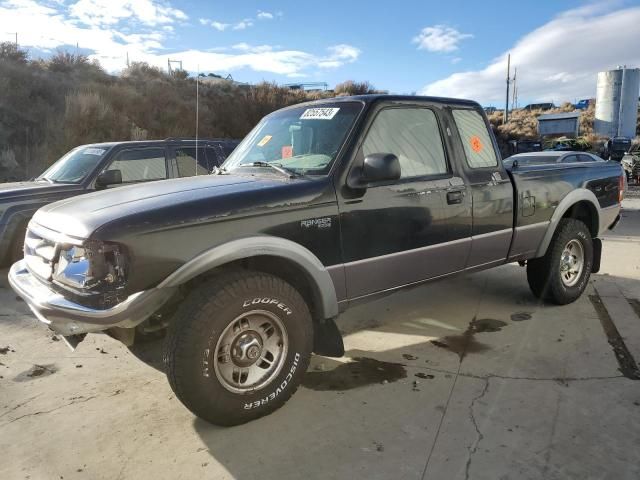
<point x="455" y="197"/>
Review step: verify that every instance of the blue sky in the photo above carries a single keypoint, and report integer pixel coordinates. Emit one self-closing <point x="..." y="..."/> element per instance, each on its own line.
<point x="454" y="48"/>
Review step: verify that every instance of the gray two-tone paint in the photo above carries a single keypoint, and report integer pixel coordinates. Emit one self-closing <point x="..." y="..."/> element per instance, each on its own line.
<point x="352" y="243"/>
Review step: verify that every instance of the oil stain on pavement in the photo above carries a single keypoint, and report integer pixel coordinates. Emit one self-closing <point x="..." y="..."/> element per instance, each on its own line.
<point x="358" y="373"/>
<point x="466" y="343"/>
<point x="34" y="372"/>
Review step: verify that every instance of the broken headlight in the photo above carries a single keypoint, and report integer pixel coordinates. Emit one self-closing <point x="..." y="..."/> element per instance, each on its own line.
<point x="94" y="266"/>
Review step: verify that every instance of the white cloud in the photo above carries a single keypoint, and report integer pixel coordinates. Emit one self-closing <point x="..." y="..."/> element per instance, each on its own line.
<point x="246" y="23"/>
<point x="109" y="12"/>
<point x="264" y="15"/>
<point x="455" y="60"/>
<point x="339" y="55"/>
<point x="439" y="38"/>
<point x="221" y="27"/>
<point x="558" y="61"/>
<point x="245" y="47"/>
<point x="49" y="26"/>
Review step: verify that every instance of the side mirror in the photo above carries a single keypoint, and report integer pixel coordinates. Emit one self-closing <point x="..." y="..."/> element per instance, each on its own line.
<point x="109" y="177"/>
<point x="380" y="167"/>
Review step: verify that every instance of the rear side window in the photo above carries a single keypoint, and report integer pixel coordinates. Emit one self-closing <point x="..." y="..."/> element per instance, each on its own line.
<point x="475" y="138"/>
<point x="187" y="164"/>
<point x="570" y="159"/>
<point x="411" y="134"/>
<point x="140" y="164"/>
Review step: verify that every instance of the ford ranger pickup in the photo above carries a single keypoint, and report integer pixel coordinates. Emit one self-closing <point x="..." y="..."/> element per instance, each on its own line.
<point x="323" y="205"/>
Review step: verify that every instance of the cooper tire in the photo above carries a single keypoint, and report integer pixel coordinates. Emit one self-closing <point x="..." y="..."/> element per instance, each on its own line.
<point x="545" y="274"/>
<point x="213" y="313"/>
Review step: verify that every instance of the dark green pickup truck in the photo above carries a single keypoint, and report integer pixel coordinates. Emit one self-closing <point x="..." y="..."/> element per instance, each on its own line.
<point x="99" y="166"/>
<point x="323" y="205"/>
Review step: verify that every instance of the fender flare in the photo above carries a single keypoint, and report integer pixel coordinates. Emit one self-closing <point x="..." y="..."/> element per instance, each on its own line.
<point x="262" y="245"/>
<point x="573" y="197"/>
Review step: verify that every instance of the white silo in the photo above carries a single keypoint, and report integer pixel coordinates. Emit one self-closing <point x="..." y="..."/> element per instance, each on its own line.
<point x="617" y="102"/>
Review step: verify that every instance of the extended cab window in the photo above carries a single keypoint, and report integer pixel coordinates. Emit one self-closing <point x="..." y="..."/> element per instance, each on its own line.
<point x="187" y="164"/>
<point x="140" y="164"/>
<point x="475" y="138"/>
<point x="412" y="135"/>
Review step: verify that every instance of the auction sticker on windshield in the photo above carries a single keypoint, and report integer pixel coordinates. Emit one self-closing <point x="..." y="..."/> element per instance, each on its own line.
<point x="319" y="113"/>
<point x="264" y="140"/>
<point x="93" y="151"/>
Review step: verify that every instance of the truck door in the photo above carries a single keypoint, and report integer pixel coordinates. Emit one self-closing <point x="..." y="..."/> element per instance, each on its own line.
<point x="490" y="188"/>
<point x="396" y="233"/>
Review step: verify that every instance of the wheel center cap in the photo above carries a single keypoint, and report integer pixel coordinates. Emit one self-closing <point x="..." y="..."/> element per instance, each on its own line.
<point x="246" y="349"/>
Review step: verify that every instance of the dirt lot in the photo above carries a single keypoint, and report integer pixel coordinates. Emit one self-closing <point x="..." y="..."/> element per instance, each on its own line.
<point x="464" y="378"/>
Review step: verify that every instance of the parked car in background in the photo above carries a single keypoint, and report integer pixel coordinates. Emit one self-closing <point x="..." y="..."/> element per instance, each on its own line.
<point x="539" y="106"/>
<point x="548" y="157"/>
<point x="322" y="206"/>
<point x="100" y="166"/>
<point x="584" y="103"/>
<point x="631" y="163"/>
<point x="523" y="146"/>
<point x="615" y="148"/>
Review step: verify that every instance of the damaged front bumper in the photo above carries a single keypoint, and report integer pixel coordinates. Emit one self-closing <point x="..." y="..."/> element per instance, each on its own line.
<point x="67" y="318"/>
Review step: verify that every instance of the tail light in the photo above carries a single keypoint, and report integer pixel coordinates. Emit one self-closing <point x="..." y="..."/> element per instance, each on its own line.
<point x="621" y="188"/>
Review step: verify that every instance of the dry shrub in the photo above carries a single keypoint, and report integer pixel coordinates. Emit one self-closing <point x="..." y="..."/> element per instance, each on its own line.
<point x="353" y="88"/>
<point x="89" y="118"/>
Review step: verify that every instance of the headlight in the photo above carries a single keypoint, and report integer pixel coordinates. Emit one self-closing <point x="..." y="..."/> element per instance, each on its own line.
<point x="95" y="266"/>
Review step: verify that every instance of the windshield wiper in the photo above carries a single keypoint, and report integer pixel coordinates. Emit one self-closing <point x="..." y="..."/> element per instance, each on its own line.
<point x="39" y="179"/>
<point x="276" y="166"/>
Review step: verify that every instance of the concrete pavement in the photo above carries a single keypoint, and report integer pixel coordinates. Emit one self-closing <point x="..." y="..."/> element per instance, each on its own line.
<point x="464" y="378"/>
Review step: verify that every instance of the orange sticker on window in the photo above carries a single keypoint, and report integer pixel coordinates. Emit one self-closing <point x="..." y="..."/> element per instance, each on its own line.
<point x="476" y="144"/>
<point x="287" y="151"/>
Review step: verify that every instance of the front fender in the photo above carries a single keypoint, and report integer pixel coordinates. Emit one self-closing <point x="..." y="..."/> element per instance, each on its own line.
<point x="262" y="245"/>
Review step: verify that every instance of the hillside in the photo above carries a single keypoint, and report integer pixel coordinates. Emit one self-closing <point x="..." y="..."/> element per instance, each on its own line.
<point x="49" y="107"/>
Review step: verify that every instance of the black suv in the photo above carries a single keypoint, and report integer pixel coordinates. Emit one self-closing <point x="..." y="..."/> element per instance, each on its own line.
<point x="88" y="168"/>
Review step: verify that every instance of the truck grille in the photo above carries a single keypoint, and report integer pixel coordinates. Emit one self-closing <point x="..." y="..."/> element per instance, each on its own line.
<point x="40" y="254"/>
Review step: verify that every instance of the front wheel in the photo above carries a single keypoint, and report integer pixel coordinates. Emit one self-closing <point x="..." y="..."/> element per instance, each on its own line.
<point x="562" y="274"/>
<point x="238" y="347"/>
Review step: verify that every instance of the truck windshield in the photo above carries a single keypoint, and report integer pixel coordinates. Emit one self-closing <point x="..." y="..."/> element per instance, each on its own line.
<point x="75" y="166"/>
<point x="303" y="140"/>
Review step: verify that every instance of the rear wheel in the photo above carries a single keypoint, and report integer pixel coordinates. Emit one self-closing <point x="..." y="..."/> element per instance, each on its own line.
<point x="562" y="274"/>
<point x="238" y="347"/>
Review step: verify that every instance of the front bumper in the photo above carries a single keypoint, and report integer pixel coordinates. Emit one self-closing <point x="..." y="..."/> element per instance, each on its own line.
<point x="68" y="318"/>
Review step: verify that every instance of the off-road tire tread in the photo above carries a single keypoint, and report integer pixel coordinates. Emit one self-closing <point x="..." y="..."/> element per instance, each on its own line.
<point x="542" y="276"/>
<point x="213" y="295"/>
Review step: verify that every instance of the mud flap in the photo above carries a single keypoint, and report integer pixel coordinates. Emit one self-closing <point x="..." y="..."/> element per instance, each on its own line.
<point x="597" y="255"/>
<point x="327" y="339"/>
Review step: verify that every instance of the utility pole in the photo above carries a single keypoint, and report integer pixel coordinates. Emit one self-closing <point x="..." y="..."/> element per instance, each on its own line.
<point x="169" y="62"/>
<point x="514" y="97"/>
<point x="506" y="106"/>
<point x="197" y="113"/>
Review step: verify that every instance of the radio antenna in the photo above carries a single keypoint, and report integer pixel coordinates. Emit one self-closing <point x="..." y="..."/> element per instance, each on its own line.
<point x="197" y="112"/>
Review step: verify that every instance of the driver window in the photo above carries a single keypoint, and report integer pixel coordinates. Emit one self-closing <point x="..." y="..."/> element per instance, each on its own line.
<point x="140" y="164"/>
<point x="411" y="134"/>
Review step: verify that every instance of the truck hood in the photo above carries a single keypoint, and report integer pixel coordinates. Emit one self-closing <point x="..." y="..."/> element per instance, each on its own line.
<point x="81" y="216"/>
<point x="13" y="190"/>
